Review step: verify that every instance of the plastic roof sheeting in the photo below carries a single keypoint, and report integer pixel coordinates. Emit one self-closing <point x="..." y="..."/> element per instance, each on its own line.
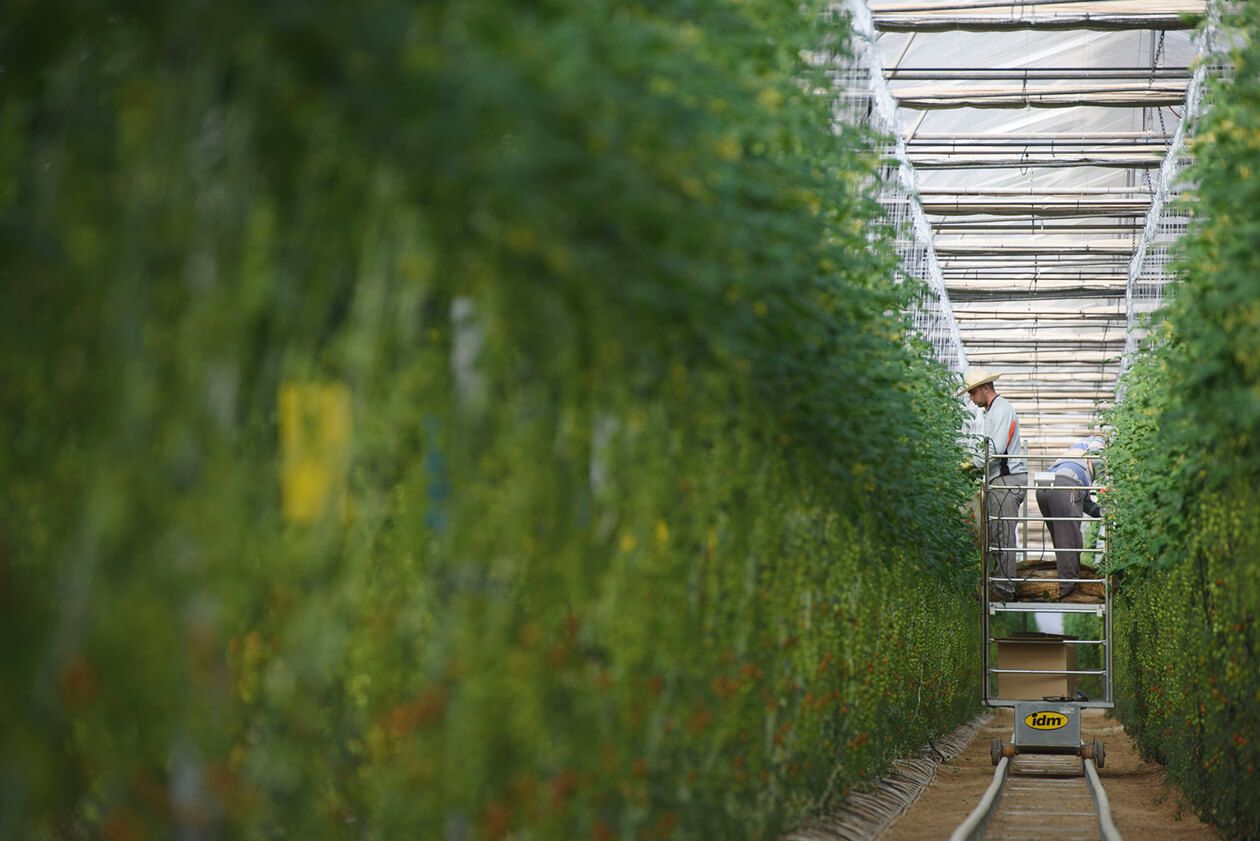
<point x="1037" y="211"/>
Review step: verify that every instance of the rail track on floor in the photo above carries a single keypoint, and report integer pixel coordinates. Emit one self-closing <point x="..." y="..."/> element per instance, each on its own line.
<point x="1041" y="797"/>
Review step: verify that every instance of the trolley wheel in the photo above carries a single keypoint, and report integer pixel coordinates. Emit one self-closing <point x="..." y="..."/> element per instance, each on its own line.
<point x="1100" y="754"/>
<point x="995" y="751"/>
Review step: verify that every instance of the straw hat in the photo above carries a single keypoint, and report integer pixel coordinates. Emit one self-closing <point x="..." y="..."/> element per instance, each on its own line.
<point x="974" y="378"/>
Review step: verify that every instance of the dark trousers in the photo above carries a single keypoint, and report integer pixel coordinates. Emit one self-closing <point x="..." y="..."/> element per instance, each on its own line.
<point x="1066" y="536"/>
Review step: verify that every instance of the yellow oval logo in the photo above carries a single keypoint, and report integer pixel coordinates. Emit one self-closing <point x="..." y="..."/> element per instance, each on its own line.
<point x="1046" y="720"/>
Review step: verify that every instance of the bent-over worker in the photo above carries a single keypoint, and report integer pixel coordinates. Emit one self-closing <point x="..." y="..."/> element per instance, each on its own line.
<point x="1008" y="477"/>
<point x="1074" y="473"/>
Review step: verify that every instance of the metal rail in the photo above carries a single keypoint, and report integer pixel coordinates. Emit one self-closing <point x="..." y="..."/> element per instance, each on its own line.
<point x="1048" y="550"/>
<point x="1046" y="457"/>
<point x="1070" y="642"/>
<point x="1060" y="488"/>
<point x="1032" y="579"/>
<point x="1042" y="519"/>
<point x="1048" y="671"/>
<point x="978" y="821"/>
<point x="1106" y="828"/>
<point x="1006" y="778"/>
<point x="1099" y="609"/>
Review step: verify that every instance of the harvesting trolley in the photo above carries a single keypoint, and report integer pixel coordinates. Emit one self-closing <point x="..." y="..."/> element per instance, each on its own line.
<point x="1050" y="724"/>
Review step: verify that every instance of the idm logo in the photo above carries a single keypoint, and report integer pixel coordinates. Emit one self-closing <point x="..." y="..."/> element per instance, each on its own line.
<point x="1046" y="720"/>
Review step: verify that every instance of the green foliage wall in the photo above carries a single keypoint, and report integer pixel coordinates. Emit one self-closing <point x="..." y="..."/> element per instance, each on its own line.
<point x="642" y="522"/>
<point x="1185" y="500"/>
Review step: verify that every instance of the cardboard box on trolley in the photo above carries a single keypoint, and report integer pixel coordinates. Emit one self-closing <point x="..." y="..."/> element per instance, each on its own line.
<point x="1035" y="651"/>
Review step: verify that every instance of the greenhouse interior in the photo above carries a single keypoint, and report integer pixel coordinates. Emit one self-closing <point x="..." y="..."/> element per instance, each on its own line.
<point x="471" y="420"/>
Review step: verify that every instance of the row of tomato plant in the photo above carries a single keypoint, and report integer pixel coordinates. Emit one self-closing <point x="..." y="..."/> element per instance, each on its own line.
<point x="460" y="420"/>
<point x="1186" y="531"/>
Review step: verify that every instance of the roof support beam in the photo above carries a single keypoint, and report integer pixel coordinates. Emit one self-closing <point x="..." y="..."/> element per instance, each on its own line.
<point x="1041" y="161"/>
<point x="1034" y="227"/>
<point x="1009" y="321"/>
<point x="1036" y="206"/>
<point x="1032" y="295"/>
<point x="1000" y="146"/>
<point x="1034" y="265"/>
<point x="1027" y="341"/>
<point x="1147" y="95"/>
<point x="1182" y="6"/>
<point x="1052" y="137"/>
<point x="1032" y="74"/>
<point x="969" y="246"/>
<point x="953" y="21"/>
<point x="1038" y="291"/>
<point x="1030" y="283"/>
<point x="1000" y="331"/>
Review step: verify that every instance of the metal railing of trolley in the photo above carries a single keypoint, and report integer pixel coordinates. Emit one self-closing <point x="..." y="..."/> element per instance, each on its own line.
<point x="990" y="607"/>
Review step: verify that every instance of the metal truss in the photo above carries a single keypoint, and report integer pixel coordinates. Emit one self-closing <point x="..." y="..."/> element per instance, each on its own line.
<point x="866" y="99"/>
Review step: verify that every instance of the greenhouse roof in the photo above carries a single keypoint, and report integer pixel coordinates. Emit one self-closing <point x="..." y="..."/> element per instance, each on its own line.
<point x="1037" y="133"/>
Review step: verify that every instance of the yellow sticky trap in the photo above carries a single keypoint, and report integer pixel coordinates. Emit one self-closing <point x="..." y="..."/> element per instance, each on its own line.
<point x="315" y="449"/>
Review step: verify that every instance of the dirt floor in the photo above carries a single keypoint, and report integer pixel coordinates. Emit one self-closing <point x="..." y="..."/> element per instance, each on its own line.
<point x="1144" y="805"/>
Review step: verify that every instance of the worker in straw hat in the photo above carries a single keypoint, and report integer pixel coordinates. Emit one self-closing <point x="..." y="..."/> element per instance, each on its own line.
<point x="1008" y="472"/>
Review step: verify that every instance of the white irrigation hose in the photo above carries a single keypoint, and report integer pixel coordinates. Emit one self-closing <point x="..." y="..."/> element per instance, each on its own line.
<point x="864" y="815"/>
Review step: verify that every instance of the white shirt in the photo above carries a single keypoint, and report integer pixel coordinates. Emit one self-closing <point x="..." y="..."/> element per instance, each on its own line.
<point x="1001" y="427"/>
